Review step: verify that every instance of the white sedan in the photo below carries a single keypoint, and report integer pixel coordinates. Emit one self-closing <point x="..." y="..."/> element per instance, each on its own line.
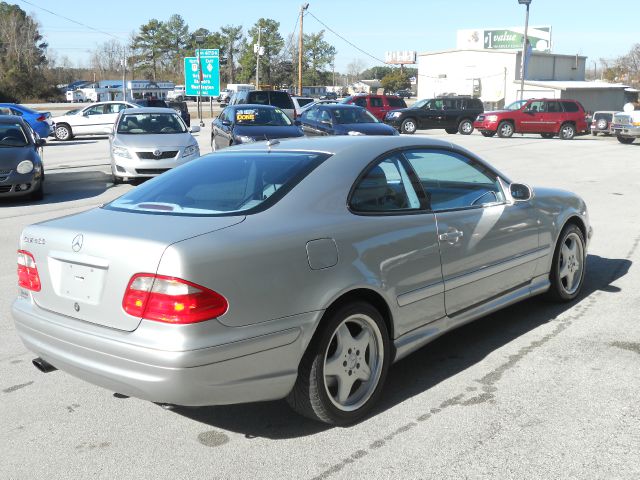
<point x="89" y="120"/>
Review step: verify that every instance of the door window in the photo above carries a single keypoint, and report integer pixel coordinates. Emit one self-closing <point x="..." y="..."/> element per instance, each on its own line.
<point x="361" y="102"/>
<point x="535" y="107"/>
<point x="554" y="107"/>
<point x="310" y="115"/>
<point x="114" y="107"/>
<point x="385" y="187"/>
<point x="452" y="181"/>
<point x="95" y="110"/>
<point x="435" y="104"/>
<point x="450" y="104"/>
<point x="376" y="102"/>
<point x="570" y="107"/>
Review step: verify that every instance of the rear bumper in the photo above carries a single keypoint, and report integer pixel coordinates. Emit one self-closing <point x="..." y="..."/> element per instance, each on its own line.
<point x="260" y="365"/>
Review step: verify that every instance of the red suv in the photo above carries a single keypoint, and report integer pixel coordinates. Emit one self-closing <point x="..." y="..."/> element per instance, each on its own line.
<point x="548" y="117"/>
<point x="378" y="105"/>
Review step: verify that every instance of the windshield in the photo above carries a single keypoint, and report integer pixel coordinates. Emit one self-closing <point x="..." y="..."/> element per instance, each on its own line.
<point x="261" y="116"/>
<point x="353" y="115"/>
<point x="224" y="183"/>
<point x="517" y="105"/>
<point x="12" y="135"/>
<point x="151" y="123"/>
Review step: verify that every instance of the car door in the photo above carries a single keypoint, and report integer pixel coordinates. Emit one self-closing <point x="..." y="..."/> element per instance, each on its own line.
<point x="90" y="121"/>
<point x="451" y="113"/>
<point x="309" y="121"/>
<point x="531" y="119"/>
<point x="488" y="245"/>
<point x="325" y="122"/>
<point x="551" y="117"/>
<point x="432" y="114"/>
<point x="393" y="241"/>
<point x="223" y="128"/>
<point x="376" y="107"/>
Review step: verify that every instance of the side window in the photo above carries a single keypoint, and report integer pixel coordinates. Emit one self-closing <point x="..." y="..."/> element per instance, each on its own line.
<point x="361" y="102"/>
<point x="97" y="110"/>
<point x="452" y="181"/>
<point x="554" y="107"/>
<point x="325" y="116"/>
<point x="310" y="115"/>
<point x="114" y="107"/>
<point x="16" y="112"/>
<point x="386" y="187"/>
<point x="534" y="107"/>
<point x="435" y="104"/>
<point x="570" y="107"/>
<point x="376" y="102"/>
<point x="449" y="104"/>
<point x="396" y="102"/>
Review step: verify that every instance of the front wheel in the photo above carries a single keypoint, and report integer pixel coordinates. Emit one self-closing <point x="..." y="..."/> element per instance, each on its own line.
<point x="567" y="131"/>
<point x="408" y="126"/>
<point x="465" y="127"/>
<point x="569" y="265"/>
<point x="625" y="140"/>
<point x="63" y="132"/>
<point x="344" y="368"/>
<point x="505" y="129"/>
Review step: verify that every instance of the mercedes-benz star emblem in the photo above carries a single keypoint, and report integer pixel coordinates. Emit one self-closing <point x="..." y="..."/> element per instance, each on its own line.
<point x="76" y="243"/>
<point x="157" y="153"/>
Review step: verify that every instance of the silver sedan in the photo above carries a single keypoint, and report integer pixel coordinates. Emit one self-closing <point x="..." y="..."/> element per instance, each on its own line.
<point x="297" y="269"/>
<point x="145" y="142"/>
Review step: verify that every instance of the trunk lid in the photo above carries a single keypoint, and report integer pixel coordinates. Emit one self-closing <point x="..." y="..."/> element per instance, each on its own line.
<point x="85" y="261"/>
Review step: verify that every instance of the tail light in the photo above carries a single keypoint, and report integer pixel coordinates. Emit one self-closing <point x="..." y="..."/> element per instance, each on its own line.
<point x="28" y="272"/>
<point x="41" y="118"/>
<point x="171" y="300"/>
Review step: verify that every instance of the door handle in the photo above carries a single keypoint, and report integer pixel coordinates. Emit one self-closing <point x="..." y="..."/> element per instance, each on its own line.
<point x="451" y="236"/>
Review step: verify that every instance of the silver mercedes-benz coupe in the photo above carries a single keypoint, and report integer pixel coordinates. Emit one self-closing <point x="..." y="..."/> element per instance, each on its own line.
<point x="296" y="269"/>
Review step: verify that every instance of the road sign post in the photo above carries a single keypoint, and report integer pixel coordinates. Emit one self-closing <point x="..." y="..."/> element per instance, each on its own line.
<point x="202" y="74"/>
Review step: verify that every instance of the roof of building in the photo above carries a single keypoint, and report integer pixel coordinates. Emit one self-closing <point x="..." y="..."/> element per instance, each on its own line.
<point x="575" y="85"/>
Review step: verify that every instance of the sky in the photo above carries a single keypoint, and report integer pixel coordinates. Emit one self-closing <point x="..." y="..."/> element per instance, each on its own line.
<point x="586" y="27"/>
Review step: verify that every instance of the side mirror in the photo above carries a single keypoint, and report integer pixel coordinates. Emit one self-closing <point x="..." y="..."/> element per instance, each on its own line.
<point x="297" y="123"/>
<point x="520" y="192"/>
<point x="108" y="129"/>
<point x="40" y="142"/>
<point x="85" y="114"/>
<point x="194" y="129"/>
<point x="226" y="123"/>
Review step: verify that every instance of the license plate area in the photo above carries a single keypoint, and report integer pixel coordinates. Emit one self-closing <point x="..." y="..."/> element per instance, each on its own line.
<point x="77" y="281"/>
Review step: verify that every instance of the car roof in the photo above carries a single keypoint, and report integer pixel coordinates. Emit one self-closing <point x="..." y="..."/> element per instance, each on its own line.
<point x="149" y="110"/>
<point x="335" y="106"/>
<point x="243" y="106"/>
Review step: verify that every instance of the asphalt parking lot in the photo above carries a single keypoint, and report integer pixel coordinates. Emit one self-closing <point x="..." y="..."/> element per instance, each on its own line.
<point x="538" y="390"/>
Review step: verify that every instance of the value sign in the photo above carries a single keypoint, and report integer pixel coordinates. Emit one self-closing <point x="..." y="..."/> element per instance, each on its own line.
<point x="210" y="68"/>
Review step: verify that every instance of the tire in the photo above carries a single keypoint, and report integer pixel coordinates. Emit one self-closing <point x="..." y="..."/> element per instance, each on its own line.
<point x="341" y="347"/>
<point x="625" y="140"/>
<point x="505" y="129"/>
<point x="213" y="144"/>
<point x="567" y="131"/>
<point x="451" y="131"/>
<point x="569" y="260"/>
<point x="408" y="126"/>
<point x="602" y="124"/>
<point x="594" y="133"/>
<point x="63" y="132"/>
<point x="488" y="134"/>
<point x="547" y="135"/>
<point x="39" y="193"/>
<point x="465" y="127"/>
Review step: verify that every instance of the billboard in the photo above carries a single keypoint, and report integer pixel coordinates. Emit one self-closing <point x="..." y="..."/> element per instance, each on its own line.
<point x="401" y="57"/>
<point x="505" y="38"/>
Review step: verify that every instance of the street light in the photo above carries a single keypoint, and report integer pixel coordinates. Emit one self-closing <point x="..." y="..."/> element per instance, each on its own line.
<point x="524" y="46"/>
<point x="200" y="41"/>
<point x="259" y="51"/>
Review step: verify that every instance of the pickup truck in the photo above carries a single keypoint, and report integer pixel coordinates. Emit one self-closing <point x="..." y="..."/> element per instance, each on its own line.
<point x="626" y="125"/>
<point x="177" y="94"/>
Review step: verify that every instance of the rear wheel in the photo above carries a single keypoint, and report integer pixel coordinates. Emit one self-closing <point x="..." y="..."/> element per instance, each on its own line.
<point x="567" y="131"/>
<point x="451" y="131"/>
<point x="569" y="264"/>
<point x="408" y="125"/>
<point x="465" y="127"/>
<point x="505" y="129"/>
<point x="344" y="368"/>
<point x="488" y="134"/>
<point x="625" y="140"/>
<point x="547" y="135"/>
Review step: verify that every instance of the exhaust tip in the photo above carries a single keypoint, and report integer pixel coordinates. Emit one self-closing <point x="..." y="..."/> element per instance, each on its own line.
<point x="42" y="365"/>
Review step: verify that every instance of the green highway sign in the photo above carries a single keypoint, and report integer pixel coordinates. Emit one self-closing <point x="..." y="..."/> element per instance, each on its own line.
<point x="209" y="71"/>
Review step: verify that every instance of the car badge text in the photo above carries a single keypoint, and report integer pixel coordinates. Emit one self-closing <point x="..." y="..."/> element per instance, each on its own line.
<point x="36" y="240"/>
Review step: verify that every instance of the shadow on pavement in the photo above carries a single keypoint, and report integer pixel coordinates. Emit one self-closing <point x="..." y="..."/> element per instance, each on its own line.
<point x="436" y="362"/>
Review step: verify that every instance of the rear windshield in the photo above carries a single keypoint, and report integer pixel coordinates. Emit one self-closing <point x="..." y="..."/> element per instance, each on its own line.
<point x="281" y="100"/>
<point x="396" y="102"/>
<point x="151" y="123"/>
<point x="600" y="115"/>
<point x="221" y="184"/>
<point x="12" y="135"/>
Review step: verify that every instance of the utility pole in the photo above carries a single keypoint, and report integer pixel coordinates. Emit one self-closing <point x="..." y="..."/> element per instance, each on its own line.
<point x="259" y="51"/>
<point x="199" y="40"/>
<point x="524" y="46"/>
<point x="124" y="75"/>
<point x="303" y="7"/>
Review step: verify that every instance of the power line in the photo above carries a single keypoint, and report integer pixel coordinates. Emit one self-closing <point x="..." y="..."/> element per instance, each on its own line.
<point x="344" y="39"/>
<point x="72" y="20"/>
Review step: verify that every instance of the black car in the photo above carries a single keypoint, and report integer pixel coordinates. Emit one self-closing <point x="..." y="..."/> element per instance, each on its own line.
<point x="151" y="102"/>
<point x="453" y="114"/>
<point x="182" y="109"/>
<point x="404" y="93"/>
<point x="251" y="123"/>
<point x="21" y="169"/>
<point x="329" y="96"/>
<point x="342" y="119"/>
